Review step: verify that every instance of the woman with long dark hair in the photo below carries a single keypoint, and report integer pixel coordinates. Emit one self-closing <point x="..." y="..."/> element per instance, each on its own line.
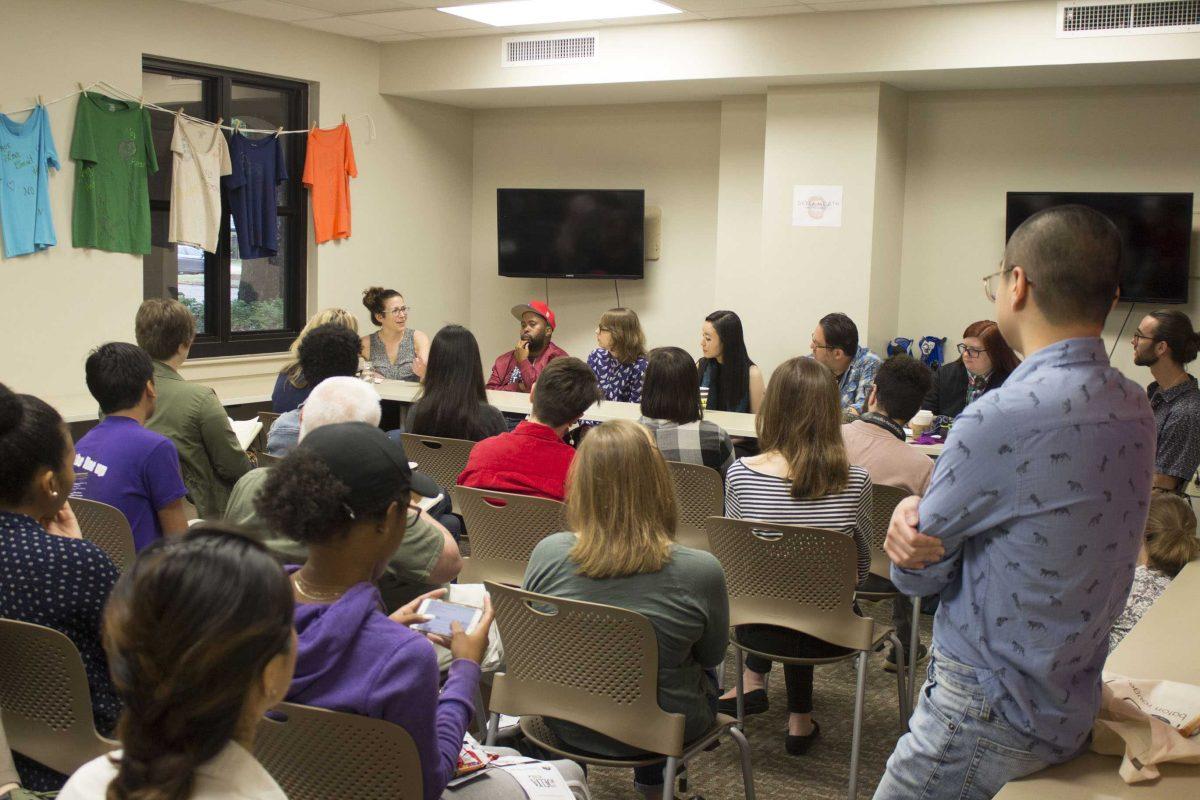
<point x="453" y="402"/>
<point x="200" y="644"/>
<point x="985" y="362"/>
<point x="730" y="379"/>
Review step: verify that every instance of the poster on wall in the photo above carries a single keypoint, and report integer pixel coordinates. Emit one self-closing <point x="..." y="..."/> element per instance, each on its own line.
<point x="817" y="206"/>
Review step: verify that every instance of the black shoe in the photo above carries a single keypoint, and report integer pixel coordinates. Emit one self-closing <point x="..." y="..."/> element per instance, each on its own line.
<point x="753" y="703"/>
<point x="889" y="663"/>
<point x="799" y="745"/>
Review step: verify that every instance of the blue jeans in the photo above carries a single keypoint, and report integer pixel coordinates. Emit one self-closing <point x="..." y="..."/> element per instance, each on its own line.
<point x="957" y="745"/>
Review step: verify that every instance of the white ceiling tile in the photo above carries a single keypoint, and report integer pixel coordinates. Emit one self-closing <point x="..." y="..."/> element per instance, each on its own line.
<point x="460" y="34"/>
<point x="766" y="11"/>
<point x="345" y="26"/>
<point x="353" y="6"/>
<point x="656" y="19"/>
<point x="203" y="2"/>
<point x="419" y="20"/>
<point x="704" y="6"/>
<point x="867" y="5"/>
<point x="271" y="9"/>
<point x="393" y="36"/>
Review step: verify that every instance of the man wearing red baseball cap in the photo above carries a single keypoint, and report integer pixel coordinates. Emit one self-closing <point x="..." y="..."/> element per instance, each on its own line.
<point x="518" y="369"/>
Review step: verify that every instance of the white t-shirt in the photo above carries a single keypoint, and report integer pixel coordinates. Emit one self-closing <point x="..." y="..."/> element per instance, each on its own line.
<point x="233" y="774"/>
<point x="201" y="157"/>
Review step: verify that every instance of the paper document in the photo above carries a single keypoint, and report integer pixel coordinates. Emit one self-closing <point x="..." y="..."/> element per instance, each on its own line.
<point x="246" y="431"/>
<point x="541" y="781"/>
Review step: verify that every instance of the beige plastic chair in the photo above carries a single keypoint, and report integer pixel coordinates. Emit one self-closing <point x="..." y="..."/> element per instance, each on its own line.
<point x="266" y="459"/>
<point x="700" y="492"/>
<point x="801" y="579"/>
<point x="503" y="529"/>
<point x="439" y="458"/>
<point x="596" y="666"/>
<point x="44" y="698"/>
<point x="107" y="528"/>
<point x="267" y="418"/>
<point x="884" y="500"/>
<point x="315" y="754"/>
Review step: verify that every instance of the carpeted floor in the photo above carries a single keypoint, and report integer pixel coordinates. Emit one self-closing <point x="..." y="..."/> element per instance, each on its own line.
<point x="822" y="773"/>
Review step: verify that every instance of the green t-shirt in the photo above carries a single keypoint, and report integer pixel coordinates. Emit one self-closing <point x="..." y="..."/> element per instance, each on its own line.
<point x="114" y="155"/>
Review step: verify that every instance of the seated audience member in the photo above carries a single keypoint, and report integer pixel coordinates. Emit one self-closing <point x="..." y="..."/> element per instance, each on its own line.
<point x="803" y="477"/>
<point x="428" y="554"/>
<point x="189" y="414"/>
<point x="50" y="576"/>
<point x="533" y="459"/>
<point x="328" y="351"/>
<point x="1165" y="342"/>
<point x="729" y="380"/>
<point x="1024" y="528"/>
<point x="985" y="362"/>
<point x="125" y="465"/>
<point x="622" y="511"/>
<point x="835" y="344"/>
<point x="518" y="369"/>
<point x="1169" y="545"/>
<point x="199" y="635"/>
<point x="453" y="403"/>
<point x="291" y="387"/>
<point x="395" y="351"/>
<point x="671" y="410"/>
<point x="620" y="360"/>
<point x="876" y="442"/>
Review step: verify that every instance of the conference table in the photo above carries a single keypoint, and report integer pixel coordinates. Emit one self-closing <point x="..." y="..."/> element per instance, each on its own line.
<point x="1162" y="645"/>
<point x="736" y="424"/>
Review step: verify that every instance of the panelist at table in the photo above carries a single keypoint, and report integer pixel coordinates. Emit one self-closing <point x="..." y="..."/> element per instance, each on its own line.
<point x="519" y="368"/>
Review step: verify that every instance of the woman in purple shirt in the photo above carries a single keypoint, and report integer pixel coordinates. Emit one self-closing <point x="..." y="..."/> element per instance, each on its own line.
<point x="620" y="360"/>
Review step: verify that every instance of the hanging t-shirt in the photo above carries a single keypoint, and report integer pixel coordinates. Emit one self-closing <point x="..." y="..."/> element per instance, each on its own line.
<point x="114" y="155"/>
<point x="26" y="155"/>
<point x="257" y="168"/>
<point x="328" y="167"/>
<point x="201" y="157"/>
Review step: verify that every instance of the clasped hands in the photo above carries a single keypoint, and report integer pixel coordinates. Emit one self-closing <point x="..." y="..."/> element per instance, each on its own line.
<point x="906" y="546"/>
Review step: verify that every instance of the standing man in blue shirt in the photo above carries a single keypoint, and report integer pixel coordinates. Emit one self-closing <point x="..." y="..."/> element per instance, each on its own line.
<point x="1030" y="528"/>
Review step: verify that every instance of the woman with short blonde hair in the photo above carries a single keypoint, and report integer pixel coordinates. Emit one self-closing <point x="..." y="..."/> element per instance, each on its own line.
<point x="621" y="506"/>
<point x="291" y="388"/>
<point x="620" y="359"/>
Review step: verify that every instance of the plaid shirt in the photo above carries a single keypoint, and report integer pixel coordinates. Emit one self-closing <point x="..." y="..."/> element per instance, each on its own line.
<point x="856" y="382"/>
<point x="700" y="442"/>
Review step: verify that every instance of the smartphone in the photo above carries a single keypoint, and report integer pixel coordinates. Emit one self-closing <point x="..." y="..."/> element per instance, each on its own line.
<point x="444" y="613"/>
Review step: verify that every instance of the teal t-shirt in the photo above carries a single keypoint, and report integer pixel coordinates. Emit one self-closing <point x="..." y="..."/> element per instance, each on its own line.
<point x="26" y="155"/>
<point x="114" y="155"/>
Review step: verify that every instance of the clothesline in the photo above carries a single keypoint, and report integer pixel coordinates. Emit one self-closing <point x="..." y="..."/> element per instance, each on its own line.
<point x="140" y="100"/>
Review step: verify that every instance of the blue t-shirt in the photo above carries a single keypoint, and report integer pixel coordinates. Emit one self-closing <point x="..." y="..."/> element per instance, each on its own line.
<point x="258" y="167"/>
<point x="131" y="468"/>
<point x="26" y="155"/>
<point x="286" y="397"/>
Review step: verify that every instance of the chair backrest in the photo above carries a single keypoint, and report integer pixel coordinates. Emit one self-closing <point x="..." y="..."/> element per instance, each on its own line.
<point x="884" y="500"/>
<point x="265" y="459"/>
<point x="791" y="576"/>
<point x="700" y="492"/>
<point x="439" y="458"/>
<point x="314" y="754"/>
<point x="44" y="698"/>
<point x="503" y="529"/>
<point x="587" y="663"/>
<point x="267" y="418"/>
<point x="107" y="528"/>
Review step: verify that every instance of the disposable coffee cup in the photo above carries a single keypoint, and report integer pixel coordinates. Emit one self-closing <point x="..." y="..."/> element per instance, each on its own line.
<point x="921" y="422"/>
<point x="704" y="397"/>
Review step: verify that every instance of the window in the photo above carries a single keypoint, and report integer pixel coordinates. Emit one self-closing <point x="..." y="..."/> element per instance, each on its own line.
<point x="241" y="305"/>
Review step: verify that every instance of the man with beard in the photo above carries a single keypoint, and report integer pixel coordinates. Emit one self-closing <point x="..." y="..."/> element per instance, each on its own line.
<point x="518" y="369"/>
<point x="1165" y="342"/>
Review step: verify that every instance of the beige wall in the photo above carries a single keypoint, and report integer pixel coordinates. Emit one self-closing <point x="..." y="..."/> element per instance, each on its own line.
<point x="411" y="201"/>
<point x="670" y="150"/>
<point x="965" y="150"/>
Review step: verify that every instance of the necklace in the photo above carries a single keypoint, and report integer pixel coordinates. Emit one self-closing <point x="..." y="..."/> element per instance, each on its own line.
<point x="315" y="595"/>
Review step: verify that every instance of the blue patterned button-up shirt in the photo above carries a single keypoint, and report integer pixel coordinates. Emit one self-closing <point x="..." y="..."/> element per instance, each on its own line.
<point x="857" y="380"/>
<point x="1040" y="499"/>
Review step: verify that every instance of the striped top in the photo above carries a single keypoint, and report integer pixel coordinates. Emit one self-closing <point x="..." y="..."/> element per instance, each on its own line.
<point x="750" y="494"/>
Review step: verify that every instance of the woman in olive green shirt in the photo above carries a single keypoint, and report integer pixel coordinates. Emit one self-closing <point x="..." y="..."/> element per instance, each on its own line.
<point x="621" y="503"/>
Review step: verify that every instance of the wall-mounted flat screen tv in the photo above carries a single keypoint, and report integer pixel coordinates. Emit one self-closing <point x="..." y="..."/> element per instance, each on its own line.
<point x="1156" y="234"/>
<point x="571" y="233"/>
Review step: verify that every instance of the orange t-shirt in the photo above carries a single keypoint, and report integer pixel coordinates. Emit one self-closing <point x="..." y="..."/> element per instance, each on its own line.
<point x="328" y="167"/>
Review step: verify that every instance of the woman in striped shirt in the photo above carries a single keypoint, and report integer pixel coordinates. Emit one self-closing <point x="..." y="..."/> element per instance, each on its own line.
<point x="802" y="477"/>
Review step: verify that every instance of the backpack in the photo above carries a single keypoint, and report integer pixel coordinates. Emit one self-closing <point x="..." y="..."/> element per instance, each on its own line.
<point x="899" y="346"/>
<point x="931" y="348"/>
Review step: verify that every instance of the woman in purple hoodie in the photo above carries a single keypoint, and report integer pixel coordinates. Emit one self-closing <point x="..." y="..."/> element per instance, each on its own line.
<point x="344" y="492"/>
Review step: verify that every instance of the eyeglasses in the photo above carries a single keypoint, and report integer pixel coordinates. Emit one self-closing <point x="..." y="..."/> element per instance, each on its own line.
<point x="395" y="312"/>
<point x="603" y="329"/>
<point x="816" y="346"/>
<point x="974" y="352"/>
<point x="1138" y="336"/>
<point x="415" y="510"/>
<point x="989" y="290"/>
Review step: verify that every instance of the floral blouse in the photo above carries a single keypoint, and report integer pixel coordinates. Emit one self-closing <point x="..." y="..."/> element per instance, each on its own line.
<point x="619" y="382"/>
<point x="1148" y="585"/>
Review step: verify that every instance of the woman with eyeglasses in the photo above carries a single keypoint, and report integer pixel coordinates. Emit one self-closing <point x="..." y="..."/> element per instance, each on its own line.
<point x="395" y="351"/>
<point x="985" y="363"/>
<point x="620" y="359"/>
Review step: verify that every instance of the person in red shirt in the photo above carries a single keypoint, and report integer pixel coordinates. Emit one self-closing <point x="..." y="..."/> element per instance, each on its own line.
<point x="518" y="369"/>
<point x="533" y="459"/>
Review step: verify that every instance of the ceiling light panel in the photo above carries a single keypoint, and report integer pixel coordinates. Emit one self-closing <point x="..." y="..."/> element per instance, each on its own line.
<point x="537" y="12"/>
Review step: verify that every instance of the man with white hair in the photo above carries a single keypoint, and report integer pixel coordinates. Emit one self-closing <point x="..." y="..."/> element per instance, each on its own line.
<point x="428" y="554"/>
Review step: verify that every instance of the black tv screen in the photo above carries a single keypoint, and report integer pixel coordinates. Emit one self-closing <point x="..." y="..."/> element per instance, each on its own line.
<point x="1156" y="234"/>
<point x="571" y="233"/>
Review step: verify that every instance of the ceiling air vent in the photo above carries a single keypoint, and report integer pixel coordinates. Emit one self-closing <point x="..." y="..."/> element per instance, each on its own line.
<point x="568" y="48"/>
<point x="1128" y="19"/>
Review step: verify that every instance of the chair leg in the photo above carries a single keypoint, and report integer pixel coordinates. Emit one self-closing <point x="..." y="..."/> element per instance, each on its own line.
<point x="493" y="727"/>
<point x="481" y="713"/>
<point x="914" y="644"/>
<point x="859" y="697"/>
<point x="669" y="777"/>
<point x="741" y="689"/>
<point x="901" y="680"/>
<point x="739" y="739"/>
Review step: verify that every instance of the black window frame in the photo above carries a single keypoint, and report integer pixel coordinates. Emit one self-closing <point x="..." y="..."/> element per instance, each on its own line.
<point x="219" y="339"/>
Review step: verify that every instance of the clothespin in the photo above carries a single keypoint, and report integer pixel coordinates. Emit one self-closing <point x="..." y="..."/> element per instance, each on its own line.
<point x="179" y="111"/>
<point x="278" y="131"/>
<point x="313" y="127"/>
<point x="41" y="100"/>
<point x="141" y="101"/>
<point x="343" y="119"/>
<point x="219" y="121"/>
